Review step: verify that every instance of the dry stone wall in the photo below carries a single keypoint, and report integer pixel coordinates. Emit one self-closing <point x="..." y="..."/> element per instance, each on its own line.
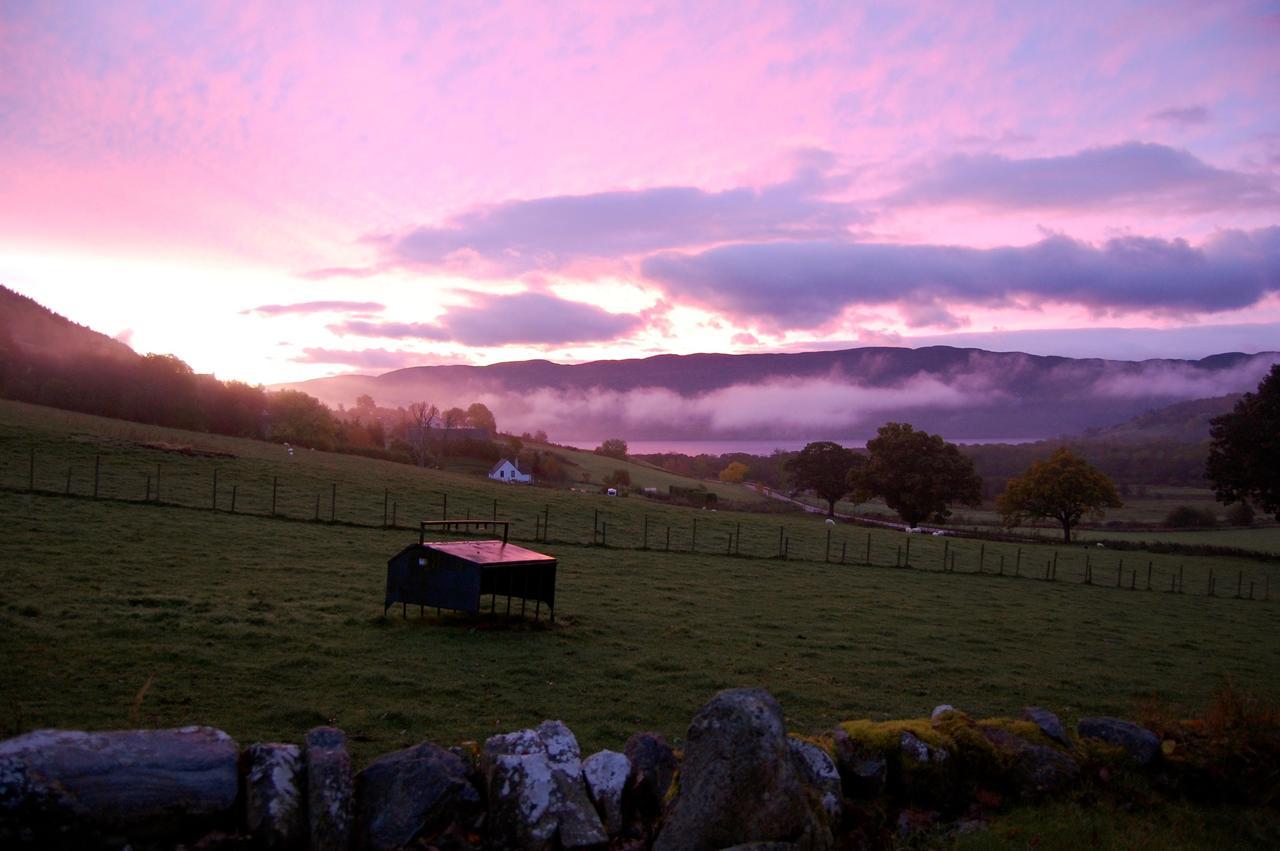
<point x="741" y="781"/>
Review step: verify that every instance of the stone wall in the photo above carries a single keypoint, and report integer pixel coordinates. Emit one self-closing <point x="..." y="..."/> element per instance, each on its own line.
<point x="741" y="779"/>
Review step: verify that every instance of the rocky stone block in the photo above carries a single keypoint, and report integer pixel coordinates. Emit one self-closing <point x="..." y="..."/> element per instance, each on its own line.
<point x="818" y="771"/>
<point x="1140" y="744"/>
<point x="606" y="776"/>
<point x="67" y="787"/>
<point x="417" y="792"/>
<point x="330" y="791"/>
<point x="537" y="796"/>
<point x="275" y="801"/>
<point x="653" y="767"/>
<point x="1048" y="722"/>
<point x="738" y="783"/>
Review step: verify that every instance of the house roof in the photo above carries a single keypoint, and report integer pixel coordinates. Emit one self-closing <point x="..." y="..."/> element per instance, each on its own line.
<point x="498" y="466"/>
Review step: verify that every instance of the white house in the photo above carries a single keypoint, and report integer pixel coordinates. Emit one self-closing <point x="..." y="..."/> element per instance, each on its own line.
<point x="506" y="471"/>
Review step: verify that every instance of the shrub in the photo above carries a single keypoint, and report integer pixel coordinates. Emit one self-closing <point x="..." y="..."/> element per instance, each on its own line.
<point x="1240" y="514"/>
<point x="1187" y="516"/>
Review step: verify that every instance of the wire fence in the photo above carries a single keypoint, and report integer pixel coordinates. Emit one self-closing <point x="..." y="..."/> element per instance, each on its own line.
<point x="579" y="520"/>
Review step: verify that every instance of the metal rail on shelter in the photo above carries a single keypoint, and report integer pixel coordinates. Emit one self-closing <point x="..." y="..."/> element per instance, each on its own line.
<point x="450" y="524"/>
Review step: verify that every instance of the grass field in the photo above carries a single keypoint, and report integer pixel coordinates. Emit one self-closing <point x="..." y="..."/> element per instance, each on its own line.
<point x="117" y="612"/>
<point x="645" y="475"/>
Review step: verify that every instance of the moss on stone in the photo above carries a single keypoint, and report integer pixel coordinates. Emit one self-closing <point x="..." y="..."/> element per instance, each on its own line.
<point x="885" y="736"/>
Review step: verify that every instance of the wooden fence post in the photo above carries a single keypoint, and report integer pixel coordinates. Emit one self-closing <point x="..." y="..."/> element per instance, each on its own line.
<point x="215" y="488"/>
<point x="97" y="465"/>
<point x="233" y="498"/>
<point x="275" y="482"/>
<point x="31" y="473"/>
<point x="333" y="501"/>
<point x="827" y="556"/>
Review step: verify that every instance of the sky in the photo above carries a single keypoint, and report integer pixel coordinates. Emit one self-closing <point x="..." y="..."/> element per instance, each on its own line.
<point x="275" y="192"/>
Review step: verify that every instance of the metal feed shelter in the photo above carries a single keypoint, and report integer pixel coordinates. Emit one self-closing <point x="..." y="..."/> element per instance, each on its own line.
<point x="456" y="575"/>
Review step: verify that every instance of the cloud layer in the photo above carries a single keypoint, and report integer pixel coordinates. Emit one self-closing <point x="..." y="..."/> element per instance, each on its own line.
<point x="1137" y="174"/>
<point x="530" y="318"/>
<point x="307" y="307"/>
<point x="802" y="285"/>
<point x="543" y="233"/>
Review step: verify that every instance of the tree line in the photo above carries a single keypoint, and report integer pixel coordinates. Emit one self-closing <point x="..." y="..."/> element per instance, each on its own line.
<point x="920" y="475"/>
<point x="163" y="390"/>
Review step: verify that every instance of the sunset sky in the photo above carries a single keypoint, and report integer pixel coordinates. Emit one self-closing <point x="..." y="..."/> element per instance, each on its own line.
<point x="275" y="192"/>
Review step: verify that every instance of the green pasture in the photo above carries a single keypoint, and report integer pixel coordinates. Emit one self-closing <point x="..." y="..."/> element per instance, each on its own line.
<point x="120" y="611"/>
<point x="643" y="475"/>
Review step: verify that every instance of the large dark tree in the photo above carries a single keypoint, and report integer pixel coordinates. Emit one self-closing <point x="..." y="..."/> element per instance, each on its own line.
<point x="823" y="467"/>
<point x="1063" y="488"/>
<point x="919" y="474"/>
<point x="1244" y="457"/>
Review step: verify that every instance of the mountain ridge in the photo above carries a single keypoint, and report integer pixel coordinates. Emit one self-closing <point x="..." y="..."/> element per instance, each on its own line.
<point x="961" y="392"/>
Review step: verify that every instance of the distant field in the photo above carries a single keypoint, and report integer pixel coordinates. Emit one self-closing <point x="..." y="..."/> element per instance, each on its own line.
<point x="645" y="475"/>
<point x="266" y="627"/>
<point x="1152" y="508"/>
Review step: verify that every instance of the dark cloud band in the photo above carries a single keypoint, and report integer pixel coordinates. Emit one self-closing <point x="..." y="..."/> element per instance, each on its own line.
<point x="529" y="318"/>
<point x="801" y="285"/>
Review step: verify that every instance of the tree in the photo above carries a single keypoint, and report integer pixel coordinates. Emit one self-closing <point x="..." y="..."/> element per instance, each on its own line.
<point x="1244" y="453"/>
<point x="298" y="418"/>
<point x="919" y="474"/>
<point x="1063" y="488"/>
<point x="613" y="448"/>
<point x="618" y="479"/>
<point x="736" y="472"/>
<point x="823" y="467"/>
<point x="418" y="421"/>
<point x="453" y="418"/>
<point x="479" y="416"/>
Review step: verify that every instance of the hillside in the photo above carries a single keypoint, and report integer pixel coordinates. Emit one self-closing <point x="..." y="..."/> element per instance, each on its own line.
<point x="1182" y="422"/>
<point x="962" y="393"/>
<point x="30" y="330"/>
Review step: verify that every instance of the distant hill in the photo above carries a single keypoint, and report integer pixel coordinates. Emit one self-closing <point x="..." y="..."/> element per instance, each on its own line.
<point x="30" y="330"/>
<point x="968" y="394"/>
<point x="1181" y="422"/>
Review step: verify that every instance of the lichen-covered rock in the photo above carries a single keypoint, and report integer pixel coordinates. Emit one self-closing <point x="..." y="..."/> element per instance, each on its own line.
<point x="940" y="710"/>
<point x="1032" y="770"/>
<point x="606" y="775"/>
<point x="415" y="792"/>
<point x="818" y="771"/>
<point x="537" y="796"/>
<point x="66" y="787"/>
<point x="275" y="809"/>
<point x="330" y="798"/>
<point x="738" y="783"/>
<point x="1048" y="722"/>
<point x="653" y="767"/>
<point x="1140" y="744"/>
<point x="925" y="772"/>
<point x="863" y="767"/>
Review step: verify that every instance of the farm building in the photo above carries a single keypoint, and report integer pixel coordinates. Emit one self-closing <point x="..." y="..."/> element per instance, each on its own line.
<point x="507" y="471"/>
